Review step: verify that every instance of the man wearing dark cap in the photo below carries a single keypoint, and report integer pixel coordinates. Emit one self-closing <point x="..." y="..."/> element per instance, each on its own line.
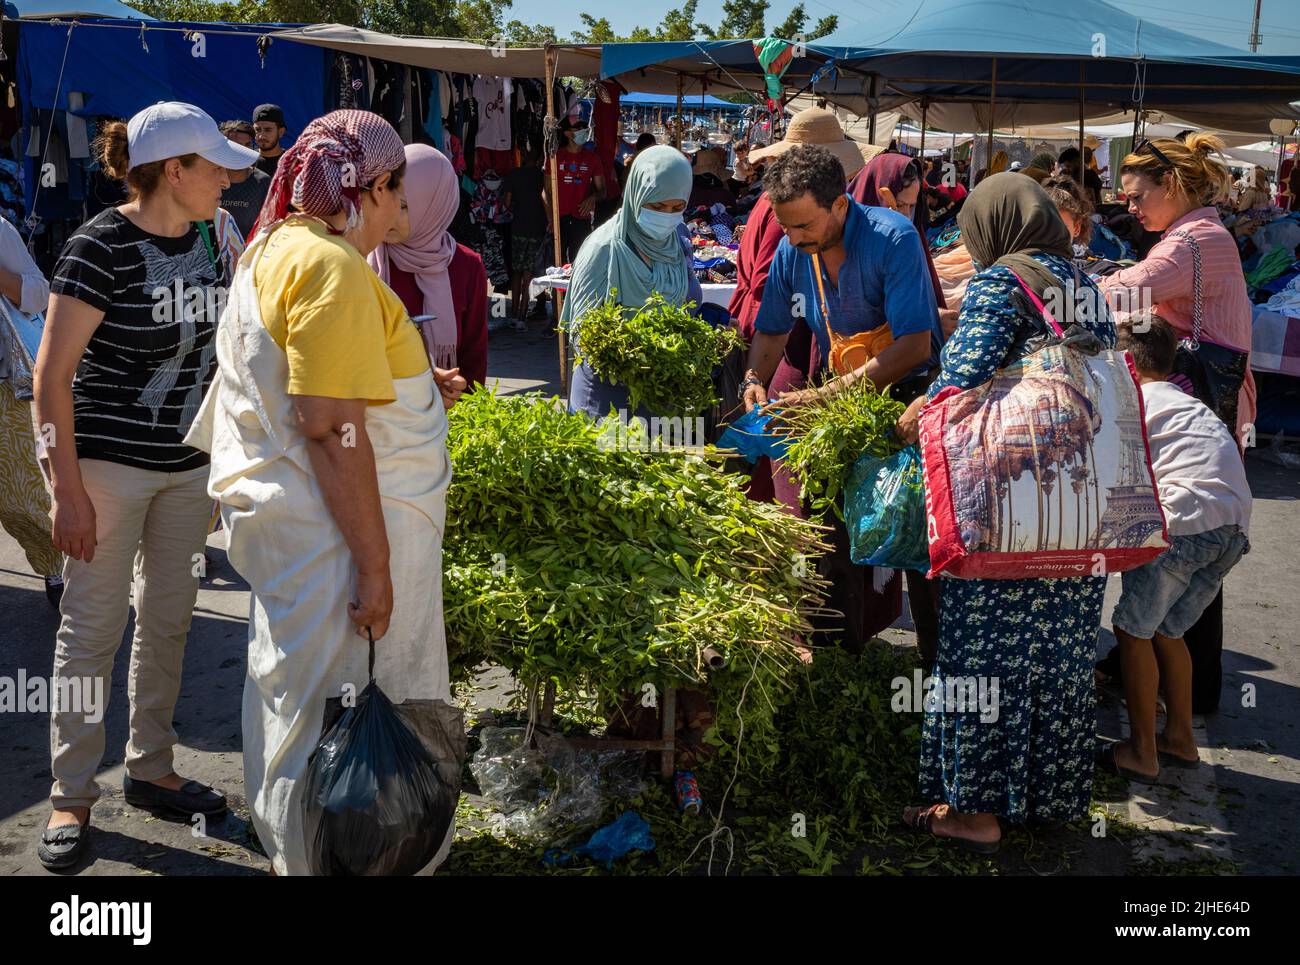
<point x="268" y="129"/>
<point x="243" y="199"/>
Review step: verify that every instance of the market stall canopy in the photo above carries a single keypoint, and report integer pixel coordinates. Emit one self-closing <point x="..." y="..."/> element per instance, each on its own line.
<point x="1169" y="127"/>
<point x="1261" y="154"/>
<point x="458" y="56"/>
<point x="110" y="69"/>
<point x="856" y="126"/>
<point x="43" y="9"/>
<point x="695" y="101"/>
<point x="1242" y="120"/>
<point x="722" y="66"/>
<point x="946" y="51"/>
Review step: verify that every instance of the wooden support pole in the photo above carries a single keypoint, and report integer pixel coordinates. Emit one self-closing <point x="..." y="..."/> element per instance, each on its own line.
<point x="557" y="295"/>
<point x="668" y="729"/>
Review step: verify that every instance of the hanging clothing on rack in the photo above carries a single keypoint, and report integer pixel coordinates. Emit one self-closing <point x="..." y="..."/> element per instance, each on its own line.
<point x="489" y="212"/>
<point x="432" y="87"/>
<point x="348" y="81"/>
<point x="406" y="125"/>
<point x="492" y="95"/>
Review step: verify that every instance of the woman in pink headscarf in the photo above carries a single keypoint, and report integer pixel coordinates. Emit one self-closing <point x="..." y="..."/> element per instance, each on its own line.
<point x="433" y="275"/>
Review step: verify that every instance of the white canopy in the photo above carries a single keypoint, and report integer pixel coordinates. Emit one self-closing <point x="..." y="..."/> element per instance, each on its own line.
<point x="459" y="56"/>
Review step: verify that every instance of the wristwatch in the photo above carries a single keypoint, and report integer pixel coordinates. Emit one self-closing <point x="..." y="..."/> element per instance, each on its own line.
<point x="744" y="386"/>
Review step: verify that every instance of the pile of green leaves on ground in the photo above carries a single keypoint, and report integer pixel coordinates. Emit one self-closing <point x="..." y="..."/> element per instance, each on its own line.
<point x="664" y="354"/>
<point x="831" y="432"/>
<point x="845" y="768"/>
<point x="604" y="568"/>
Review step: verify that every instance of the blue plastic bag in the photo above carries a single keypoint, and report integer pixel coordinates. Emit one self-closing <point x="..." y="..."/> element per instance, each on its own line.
<point x="748" y="435"/>
<point x="630" y="832"/>
<point x="884" y="508"/>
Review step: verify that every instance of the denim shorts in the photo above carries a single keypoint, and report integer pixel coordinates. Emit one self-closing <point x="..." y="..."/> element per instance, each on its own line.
<point x="1169" y="594"/>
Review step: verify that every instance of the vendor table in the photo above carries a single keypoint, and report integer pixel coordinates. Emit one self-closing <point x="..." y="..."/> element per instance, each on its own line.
<point x="1274" y="342"/>
<point x="713" y="294"/>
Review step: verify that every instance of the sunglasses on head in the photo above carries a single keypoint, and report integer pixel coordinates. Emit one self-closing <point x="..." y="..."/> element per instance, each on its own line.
<point x="1149" y="146"/>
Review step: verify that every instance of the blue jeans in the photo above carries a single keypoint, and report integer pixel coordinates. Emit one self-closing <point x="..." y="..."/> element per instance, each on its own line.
<point x="1169" y="594"/>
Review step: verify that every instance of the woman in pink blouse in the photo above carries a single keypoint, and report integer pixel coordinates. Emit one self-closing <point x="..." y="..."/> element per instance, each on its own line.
<point x="1171" y="187"/>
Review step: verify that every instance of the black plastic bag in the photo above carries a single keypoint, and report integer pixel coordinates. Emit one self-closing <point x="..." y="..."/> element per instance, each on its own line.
<point x="383" y="784"/>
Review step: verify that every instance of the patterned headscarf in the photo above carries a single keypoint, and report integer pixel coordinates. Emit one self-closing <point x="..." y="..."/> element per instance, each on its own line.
<point x="333" y="160"/>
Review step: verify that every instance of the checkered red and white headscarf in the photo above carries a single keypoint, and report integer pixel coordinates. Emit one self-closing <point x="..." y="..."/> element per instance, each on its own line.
<point x="334" y="158"/>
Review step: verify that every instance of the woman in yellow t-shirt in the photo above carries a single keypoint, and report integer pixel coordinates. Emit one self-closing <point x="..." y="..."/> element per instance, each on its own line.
<point x="329" y="460"/>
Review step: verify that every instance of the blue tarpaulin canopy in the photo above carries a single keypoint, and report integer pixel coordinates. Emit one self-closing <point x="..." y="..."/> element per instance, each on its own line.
<point x="718" y="65"/>
<point x="944" y="50"/>
<point x="14" y="9"/>
<point x="116" y="70"/>
<point x="694" y="102"/>
<point x="108" y="63"/>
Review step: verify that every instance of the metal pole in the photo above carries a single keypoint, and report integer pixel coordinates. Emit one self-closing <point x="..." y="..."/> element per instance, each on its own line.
<point x="677" y="128"/>
<point x="925" y="107"/>
<point x="1255" y="38"/>
<point x="871" y="101"/>
<point x="993" y="93"/>
<point x="1083" y="161"/>
<point x="1281" y="147"/>
<point x="555" y="221"/>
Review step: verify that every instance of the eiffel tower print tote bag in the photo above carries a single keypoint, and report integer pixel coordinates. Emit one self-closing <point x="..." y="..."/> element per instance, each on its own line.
<point x="1044" y="471"/>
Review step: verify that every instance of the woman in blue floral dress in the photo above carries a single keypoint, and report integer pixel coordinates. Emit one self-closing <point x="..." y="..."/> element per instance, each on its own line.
<point x="1035" y="638"/>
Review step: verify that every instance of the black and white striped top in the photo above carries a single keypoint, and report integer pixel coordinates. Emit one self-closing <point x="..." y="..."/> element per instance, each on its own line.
<point x="144" y="372"/>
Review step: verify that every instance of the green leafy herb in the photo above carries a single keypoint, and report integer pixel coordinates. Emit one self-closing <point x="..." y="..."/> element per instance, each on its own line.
<point x="603" y="569"/>
<point x="831" y="432"/>
<point x="664" y="354"/>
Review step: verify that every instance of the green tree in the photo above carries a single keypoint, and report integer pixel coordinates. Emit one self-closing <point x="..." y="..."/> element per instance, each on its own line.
<point x="441" y="18"/>
<point x="826" y="25"/>
<point x="793" y="25"/>
<point x="741" y="19"/>
<point x="679" y="24"/>
<point x="530" y="35"/>
<point x="796" y="24"/>
<point x="597" y="31"/>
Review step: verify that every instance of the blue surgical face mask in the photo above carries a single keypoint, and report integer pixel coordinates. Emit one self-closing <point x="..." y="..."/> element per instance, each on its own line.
<point x="582" y="136"/>
<point x="658" y="224"/>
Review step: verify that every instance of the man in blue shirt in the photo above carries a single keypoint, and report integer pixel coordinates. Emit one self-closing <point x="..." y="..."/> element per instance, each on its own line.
<point x="873" y="273"/>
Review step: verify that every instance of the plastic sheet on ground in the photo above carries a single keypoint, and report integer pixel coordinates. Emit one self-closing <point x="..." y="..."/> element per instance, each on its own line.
<point x="553" y="789"/>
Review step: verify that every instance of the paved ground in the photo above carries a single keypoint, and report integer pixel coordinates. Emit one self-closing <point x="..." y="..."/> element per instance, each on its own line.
<point x="1242" y="802"/>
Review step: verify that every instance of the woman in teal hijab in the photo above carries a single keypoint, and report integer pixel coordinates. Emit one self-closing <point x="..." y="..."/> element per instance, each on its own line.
<point x="641" y="250"/>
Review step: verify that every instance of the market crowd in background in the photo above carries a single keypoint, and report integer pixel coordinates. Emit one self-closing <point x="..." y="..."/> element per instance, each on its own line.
<point x="908" y="264"/>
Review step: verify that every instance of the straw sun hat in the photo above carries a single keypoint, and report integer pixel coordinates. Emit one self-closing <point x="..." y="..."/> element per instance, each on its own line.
<point x="821" y="127"/>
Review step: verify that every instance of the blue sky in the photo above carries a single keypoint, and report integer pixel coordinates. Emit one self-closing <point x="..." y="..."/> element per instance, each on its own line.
<point x="1223" y="21"/>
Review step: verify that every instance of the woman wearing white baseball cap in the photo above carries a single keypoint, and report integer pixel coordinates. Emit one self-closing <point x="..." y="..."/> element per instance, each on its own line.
<point x="127" y="356"/>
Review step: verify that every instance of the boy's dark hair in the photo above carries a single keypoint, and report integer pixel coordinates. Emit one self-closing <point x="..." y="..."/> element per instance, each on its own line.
<point x="804" y="169"/>
<point x="1151" y="340"/>
<point x="1067" y="195"/>
<point x="645" y="140"/>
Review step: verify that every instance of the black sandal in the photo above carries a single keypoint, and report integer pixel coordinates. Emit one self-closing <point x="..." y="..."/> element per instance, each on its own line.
<point x="1105" y="758"/>
<point x="63" y="846"/>
<point x="922" y="821"/>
